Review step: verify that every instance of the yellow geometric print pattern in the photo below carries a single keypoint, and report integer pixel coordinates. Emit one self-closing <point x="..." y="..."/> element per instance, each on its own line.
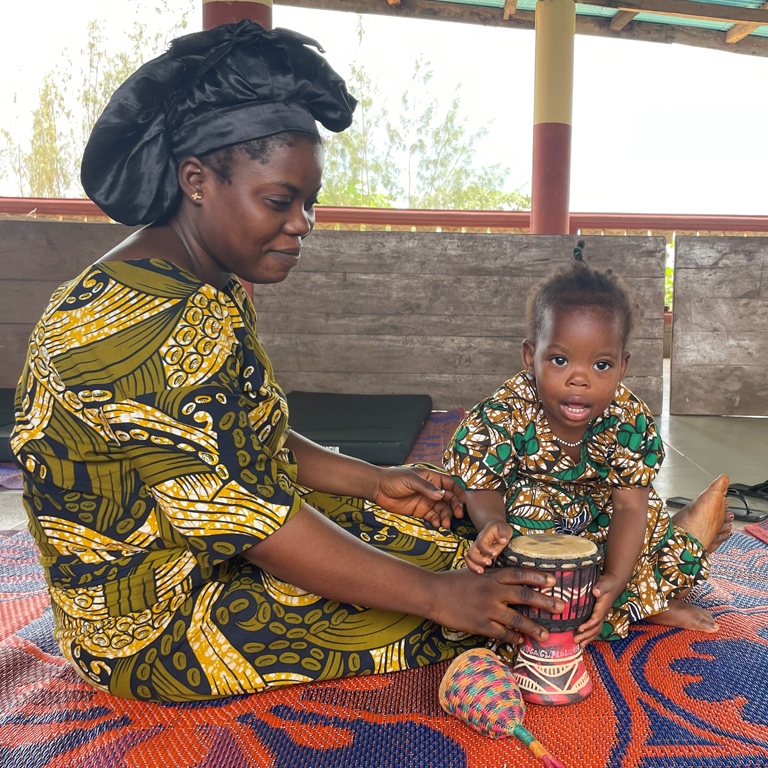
<point x="151" y="433"/>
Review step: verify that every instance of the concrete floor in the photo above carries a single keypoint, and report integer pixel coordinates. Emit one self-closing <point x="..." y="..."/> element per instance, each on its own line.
<point x="698" y="449"/>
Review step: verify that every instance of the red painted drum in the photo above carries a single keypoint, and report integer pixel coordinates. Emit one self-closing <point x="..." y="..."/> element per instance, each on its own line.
<point x="553" y="672"/>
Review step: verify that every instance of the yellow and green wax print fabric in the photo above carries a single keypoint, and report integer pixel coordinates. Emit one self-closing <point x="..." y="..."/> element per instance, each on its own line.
<point x="151" y="432"/>
<point x="505" y="444"/>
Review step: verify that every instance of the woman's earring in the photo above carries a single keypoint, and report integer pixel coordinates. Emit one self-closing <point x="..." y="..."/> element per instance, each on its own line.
<point x="197" y="196"/>
<point x="529" y="375"/>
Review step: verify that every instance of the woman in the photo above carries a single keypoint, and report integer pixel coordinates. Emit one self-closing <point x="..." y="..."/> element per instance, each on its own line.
<point x="186" y="556"/>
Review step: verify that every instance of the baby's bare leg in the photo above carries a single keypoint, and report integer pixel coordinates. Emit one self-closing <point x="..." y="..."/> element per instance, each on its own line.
<point x="706" y="519"/>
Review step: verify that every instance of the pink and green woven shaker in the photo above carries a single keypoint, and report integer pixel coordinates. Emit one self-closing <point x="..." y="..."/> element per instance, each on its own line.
<point x="479" y="689"/>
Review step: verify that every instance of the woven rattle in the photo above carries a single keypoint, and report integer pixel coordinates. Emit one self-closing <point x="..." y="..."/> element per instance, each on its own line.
<point x="479" y="689"/>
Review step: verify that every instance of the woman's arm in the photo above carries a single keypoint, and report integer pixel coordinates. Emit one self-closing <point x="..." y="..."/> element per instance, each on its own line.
<point x="316" y="555"/>
<point x="331" y="472"/>
<point x="415" y="492"/>
<point x="626" y="535"/>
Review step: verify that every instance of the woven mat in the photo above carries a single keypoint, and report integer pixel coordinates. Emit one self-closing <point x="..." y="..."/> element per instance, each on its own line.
<point x="434" y="438"/>
<point x="10" y="477"/>
<point x="663" y="698"/>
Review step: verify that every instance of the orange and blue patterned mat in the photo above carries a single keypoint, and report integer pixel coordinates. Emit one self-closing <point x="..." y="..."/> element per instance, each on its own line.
<point x="663" y="698"/>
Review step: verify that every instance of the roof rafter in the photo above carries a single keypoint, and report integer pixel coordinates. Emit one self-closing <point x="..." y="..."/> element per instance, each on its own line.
<point x="510" y="7"/>
<point x="585" y="25"/>
<point x="621" y="19"/>
<point x="740" y="31"/>
<point x="689" y="9"/>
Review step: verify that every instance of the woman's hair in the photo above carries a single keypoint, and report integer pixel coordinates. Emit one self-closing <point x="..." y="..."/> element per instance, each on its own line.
<point x="222" y="161"/>
<point x="579" y="286"/>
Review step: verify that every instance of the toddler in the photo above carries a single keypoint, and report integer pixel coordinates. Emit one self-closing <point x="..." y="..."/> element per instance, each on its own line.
<point x="565" y="447"/>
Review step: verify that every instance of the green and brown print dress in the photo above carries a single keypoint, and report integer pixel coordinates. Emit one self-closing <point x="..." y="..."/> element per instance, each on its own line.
<point x="151" y="435"/>
<point x="505" y="444"/>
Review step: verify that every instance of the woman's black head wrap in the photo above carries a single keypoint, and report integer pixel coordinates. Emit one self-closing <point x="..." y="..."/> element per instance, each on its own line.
<point x="212" y="89"/>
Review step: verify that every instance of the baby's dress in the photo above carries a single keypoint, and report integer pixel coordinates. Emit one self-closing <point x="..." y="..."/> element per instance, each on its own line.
<point x="505" y="444"/>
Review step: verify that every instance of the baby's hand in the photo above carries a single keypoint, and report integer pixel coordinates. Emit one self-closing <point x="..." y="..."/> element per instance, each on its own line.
<point x="606" y="591"/>
<point x="488" y="545"/>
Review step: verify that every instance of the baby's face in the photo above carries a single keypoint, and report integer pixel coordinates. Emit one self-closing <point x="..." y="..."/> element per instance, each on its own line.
<point x="578" y="362"/>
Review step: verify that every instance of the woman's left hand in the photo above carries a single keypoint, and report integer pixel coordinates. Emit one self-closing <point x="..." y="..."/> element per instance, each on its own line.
<point x="420" y="492"/>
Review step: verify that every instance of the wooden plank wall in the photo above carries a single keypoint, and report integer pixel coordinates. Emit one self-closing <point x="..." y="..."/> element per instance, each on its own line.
<point x="720" y="329"/>
<point x="35" y="258"/>
<point x="369" y="312"/>
<point x="436" y="313"/>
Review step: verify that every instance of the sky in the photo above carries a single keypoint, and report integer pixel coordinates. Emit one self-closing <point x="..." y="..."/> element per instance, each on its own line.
<point x="656" y="128"/>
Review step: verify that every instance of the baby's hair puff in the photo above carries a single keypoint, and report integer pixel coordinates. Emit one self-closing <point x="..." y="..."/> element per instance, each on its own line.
<point x="579" y="286"/>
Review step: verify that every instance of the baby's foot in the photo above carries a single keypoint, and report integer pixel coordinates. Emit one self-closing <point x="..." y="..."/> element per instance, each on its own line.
<point x="685" y="616"/>
<point x="706" y="516"/>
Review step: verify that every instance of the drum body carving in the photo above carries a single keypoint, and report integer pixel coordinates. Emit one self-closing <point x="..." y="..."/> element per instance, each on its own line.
<point x="553" y="672"/>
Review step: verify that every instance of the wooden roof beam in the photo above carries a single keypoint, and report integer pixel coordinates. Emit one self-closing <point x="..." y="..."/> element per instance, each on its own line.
<point x="510" y="7"/>
<point x="621" y="19"/>
<point x="689" y="9"/>
<point x="740" y="31"/>
<point x="595" y="26"/>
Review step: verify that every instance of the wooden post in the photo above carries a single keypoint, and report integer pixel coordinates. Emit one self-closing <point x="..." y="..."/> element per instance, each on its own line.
<point x="552" y="114"/>
<point x="217" y="12"/>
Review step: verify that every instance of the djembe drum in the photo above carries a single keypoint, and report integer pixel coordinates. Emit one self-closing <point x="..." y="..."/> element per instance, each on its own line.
<point x="553" y="672"/>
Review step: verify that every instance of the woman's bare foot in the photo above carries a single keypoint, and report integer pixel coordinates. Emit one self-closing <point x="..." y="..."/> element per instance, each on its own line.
<point x="685" y="616"/>
<point x="706" y="517"/>
<point x="726" y="529"/>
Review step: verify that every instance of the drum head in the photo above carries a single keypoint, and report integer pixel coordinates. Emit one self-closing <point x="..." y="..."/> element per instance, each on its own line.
<point x="555" y="546"/>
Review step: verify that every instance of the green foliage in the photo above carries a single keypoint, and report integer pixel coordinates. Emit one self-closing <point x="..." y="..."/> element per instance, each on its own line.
<point x="424" y="159"/>
<point x="45" y="168"/>
<point x="669" y="286"/>
<point x="49" y="164"/>
<point x="357" y="172"/>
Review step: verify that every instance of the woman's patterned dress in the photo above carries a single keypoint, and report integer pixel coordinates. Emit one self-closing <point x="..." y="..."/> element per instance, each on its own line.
<point x="151" y="436"/>
<point x="505" y="444"/>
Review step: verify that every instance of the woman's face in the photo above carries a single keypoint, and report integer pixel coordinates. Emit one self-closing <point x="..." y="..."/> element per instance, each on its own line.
<point x="255" y="225"/>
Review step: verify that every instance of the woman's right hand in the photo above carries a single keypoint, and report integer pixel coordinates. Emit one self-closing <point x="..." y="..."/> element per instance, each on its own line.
<point x="480" y="603"/>
<point x="318" y="556"/>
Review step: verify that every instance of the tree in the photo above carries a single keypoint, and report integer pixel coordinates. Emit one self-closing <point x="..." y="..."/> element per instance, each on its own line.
<point x="49" y="165"/>
<point x="424" y="160"/>
<point x="358" y="171"/>
<point x="440" y="155"/>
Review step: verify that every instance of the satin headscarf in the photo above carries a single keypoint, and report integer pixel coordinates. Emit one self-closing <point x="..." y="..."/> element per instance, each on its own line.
<point x="212" y="89"/>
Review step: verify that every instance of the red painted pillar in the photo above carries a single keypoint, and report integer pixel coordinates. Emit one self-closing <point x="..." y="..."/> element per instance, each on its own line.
<point x="552" y="112"/>
<point x="216" y="12"/>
